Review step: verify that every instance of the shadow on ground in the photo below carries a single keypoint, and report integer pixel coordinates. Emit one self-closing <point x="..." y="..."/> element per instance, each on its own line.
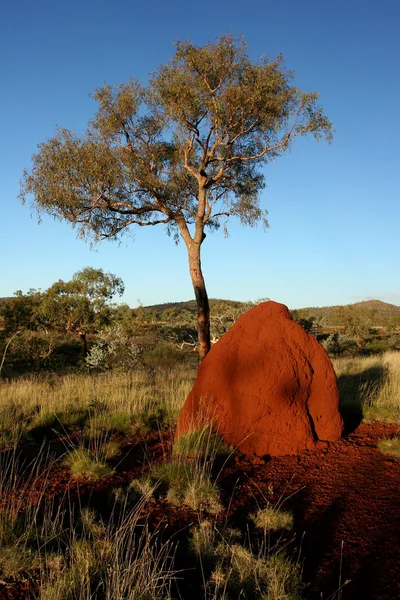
<point x="353" y="390"/>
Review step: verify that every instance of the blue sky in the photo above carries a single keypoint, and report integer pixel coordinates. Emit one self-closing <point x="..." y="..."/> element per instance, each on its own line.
<point x="334" y="210"/>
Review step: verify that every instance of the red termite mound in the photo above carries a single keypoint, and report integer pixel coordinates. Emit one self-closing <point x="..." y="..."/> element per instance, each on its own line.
<point x="267" y="386"/>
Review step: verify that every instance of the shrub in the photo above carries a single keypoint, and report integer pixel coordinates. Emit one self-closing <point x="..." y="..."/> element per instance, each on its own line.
<point x="338" y="344"/>
<point x="164" y="357"/>
<point x="113" y="350"/>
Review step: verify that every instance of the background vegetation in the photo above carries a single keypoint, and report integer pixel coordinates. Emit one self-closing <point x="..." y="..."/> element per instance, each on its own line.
<point x="74" y="326"/>
<point x="90" y="393"/>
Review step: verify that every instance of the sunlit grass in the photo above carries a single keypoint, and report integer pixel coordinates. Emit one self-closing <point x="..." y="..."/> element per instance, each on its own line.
<point x="390" y="446"/>
<point x="370" y="386"/>
<point x="127" y="403"/>
<point x="272" y="518"/>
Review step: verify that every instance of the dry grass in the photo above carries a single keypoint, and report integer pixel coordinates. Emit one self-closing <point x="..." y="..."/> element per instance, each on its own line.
<point x="120" y="558"/>
<point x="272" y="518"/>
<point x="370" y="386"/>
<point x="390" y="446"/>
<point x="117" y="402"/>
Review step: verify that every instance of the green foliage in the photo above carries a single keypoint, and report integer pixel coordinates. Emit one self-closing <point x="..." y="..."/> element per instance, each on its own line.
<point x="206" y="537"/>
<point x="354" y="319"/>
<point x="338" y="344"/>
<point x="197" y="133"/>
<point x="113" y="349"/>
<point x="39" y="323"/>
<point x="185" y="150"/>
<point x="234" y="571"/>
<point x="80" y="305"/>
<point x="308" y="323"/>
<point x="164" y="357"/>
<point x="21" y="311"/>
<point x="224" y="315"/>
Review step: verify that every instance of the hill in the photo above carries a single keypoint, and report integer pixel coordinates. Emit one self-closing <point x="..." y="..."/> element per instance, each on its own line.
<point x="370" y="313"/>
<point x="190" y="305"/>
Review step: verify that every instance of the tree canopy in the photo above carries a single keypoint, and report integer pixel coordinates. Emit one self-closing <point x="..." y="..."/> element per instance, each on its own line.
<point x="185" y="151"/>
<point x="79" y="306"/>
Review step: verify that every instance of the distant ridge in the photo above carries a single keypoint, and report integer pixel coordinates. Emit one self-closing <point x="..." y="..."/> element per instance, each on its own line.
<point x="190" y="305"/>
<point x="376" y="312"/>
<point x="381" y="313"/>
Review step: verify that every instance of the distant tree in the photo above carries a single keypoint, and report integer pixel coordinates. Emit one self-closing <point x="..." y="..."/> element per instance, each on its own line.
<point x="309" y="322"/>
<point x="357" y="323"/>
<point x="186" y="151"/>
<point x="125" y="317"/>
<point x="27" y="336"/>
<point x="177" y="316"/>
<point x="21" y="312"/>
<point x="81" y="306"/>
<point x="224" y="315"/>
<point x="337" y="344"/>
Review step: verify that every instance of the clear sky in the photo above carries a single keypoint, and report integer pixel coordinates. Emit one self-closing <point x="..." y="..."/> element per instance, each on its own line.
<point x="334" y="210"/>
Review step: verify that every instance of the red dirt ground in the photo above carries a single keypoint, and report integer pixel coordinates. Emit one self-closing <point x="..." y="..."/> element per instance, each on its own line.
<point x="346" y="502"/>
<point x="344" y="496"/>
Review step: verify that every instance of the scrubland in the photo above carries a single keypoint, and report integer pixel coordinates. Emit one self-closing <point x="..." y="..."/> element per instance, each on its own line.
<point x="88" y="465"/>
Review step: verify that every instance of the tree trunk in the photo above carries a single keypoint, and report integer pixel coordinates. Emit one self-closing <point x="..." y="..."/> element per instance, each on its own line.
<point x="203" y="307"/>
<point x="82" y="337"/>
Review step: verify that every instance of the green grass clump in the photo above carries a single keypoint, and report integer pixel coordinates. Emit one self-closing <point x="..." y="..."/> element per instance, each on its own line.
<point x="232" y="570"/>
<point x="126" y="562"/>
<point x="390" y="446"/>
<point x="206" y="537"/>
<point x="187" y="483"/>
<point x="11" y="426"/>
<point x="84" y="465"/>
<point x="272" y="518"/>
<point x="144" y="488"/>
<point x="241" y="573"/>
<point x="200" y="443"/>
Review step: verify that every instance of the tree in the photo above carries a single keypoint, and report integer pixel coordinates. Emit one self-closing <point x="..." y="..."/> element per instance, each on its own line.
<point x="337" y="344"/>
<point x="81" y="305"/>
<point x="21" y="312"/>
<point x="185" y="151"/>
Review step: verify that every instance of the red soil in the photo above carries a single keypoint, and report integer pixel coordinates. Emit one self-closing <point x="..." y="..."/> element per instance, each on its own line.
<point x="344" y="496"/>
<point x="345" y="499"/>
<point x="268" y="386"/>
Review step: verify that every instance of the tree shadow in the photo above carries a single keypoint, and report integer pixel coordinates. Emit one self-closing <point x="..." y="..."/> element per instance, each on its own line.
<point x="318" y="543"/>
<point x="353" y="389"/>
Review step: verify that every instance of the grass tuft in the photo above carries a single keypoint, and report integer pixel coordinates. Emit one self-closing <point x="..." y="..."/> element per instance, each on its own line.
<point x="272" y="518"/>
<point x="187" y="483"/>
<point x="201" y="443"/>
<point x="83" y="465"/>
<point x="390" y="446"/>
